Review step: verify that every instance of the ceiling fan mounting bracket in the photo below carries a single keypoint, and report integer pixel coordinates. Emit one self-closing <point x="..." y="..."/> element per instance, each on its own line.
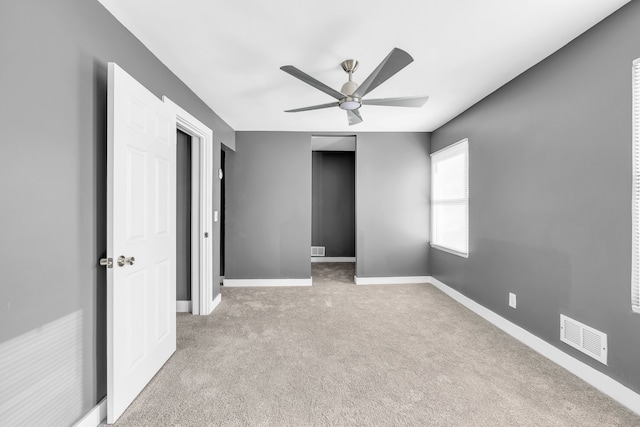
<point x="349" y="65"/>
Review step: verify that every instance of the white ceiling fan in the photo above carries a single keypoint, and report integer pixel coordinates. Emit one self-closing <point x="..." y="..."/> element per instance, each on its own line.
<point x="351" y="95"/>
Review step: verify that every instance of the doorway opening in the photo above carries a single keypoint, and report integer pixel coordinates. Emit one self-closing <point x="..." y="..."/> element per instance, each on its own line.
<point x="222" y="213"/>
<point x="333" y="207"/>
<point x="201" y="217"/>
<point x="183" y="221"/>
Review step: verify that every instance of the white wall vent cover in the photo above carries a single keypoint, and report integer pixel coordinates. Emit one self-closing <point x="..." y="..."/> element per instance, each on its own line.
<point x="584" y="338"/>
<point x="317" y="250"/>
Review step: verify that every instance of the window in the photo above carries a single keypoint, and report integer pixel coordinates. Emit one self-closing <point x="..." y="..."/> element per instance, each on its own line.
<point x="635" y="272"/>
<point x="450" y="199"/>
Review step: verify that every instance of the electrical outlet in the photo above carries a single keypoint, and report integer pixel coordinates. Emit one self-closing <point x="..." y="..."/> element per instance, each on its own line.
<point x="512" y="300"/>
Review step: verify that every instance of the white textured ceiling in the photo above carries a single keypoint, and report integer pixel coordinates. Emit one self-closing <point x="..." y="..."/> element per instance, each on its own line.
<point x="229" y="52"/>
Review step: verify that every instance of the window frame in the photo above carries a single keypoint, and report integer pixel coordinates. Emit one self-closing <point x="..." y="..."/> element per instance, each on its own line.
<point x="464" y="143"/>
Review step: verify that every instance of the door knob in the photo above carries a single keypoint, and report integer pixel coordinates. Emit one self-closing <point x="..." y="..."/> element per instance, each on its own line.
<point x="122" y="261"/>
<point x="106" y="262"/>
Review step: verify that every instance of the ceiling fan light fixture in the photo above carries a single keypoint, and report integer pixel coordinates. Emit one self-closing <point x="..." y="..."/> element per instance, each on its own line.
<point x="350" y="103"/>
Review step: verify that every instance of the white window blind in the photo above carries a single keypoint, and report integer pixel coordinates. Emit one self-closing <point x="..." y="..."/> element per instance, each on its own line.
<point x="635" y="274"/>
<point x="450" y="198"/>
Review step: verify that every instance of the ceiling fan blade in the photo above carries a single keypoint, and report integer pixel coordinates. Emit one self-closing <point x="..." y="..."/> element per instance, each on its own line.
<point x="394" y="62"/>
<point x="313" y="107"/>
<point x="290" y="69"/>
<point x="407" y="101"/>
<point x="354" y="117"/>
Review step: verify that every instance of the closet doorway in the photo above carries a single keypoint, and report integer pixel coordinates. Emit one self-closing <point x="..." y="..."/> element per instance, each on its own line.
<point x="183" y="221"/>
<point x="333" y="191"/>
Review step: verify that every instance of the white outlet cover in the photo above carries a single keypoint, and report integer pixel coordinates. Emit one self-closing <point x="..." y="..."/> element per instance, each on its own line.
<point x="512" y="300"/>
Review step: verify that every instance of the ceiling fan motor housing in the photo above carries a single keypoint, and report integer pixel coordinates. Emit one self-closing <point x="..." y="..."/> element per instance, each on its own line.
<point x="349" y="87"/>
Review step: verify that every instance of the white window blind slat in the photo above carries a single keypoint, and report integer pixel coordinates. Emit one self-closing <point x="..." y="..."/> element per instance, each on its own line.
<point x="635" y="273"/>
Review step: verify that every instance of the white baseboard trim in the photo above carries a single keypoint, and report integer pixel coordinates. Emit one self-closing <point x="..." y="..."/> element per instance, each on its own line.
<point x="237" y="283"/>
<point x="95" y="416"/>
<point x="216" y="302"/>
<point x="183" y="306"/>
<point x="602" y="382"/>
<point x="333" y="259"/>
<point x="403" y="280"/>
<point x="213" y="305"/>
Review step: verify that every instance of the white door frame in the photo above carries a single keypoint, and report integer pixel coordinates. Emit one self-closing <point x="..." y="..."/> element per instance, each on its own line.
<point x="201" y="208"/>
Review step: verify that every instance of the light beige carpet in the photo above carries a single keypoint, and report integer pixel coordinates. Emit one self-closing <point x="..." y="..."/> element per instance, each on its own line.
<point x="341" y="354"/>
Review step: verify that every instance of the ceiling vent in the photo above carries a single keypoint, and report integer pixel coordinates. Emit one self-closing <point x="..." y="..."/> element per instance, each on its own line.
<point x="584" y="338"/>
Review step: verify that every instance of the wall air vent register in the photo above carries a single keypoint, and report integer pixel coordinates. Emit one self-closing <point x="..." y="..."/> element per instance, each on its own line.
<point x="317" y="250"/>
<point x="584" y="338"/>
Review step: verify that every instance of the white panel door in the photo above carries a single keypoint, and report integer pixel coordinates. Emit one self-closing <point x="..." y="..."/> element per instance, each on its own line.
<point x="141" y="238"/>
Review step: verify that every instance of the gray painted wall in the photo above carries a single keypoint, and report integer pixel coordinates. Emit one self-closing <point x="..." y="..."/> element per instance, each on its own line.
<point x="550" y="195"/>
<point x="268" y="205"/>
<point x="183" y="217"/>
<point x="333" y="207"/>
<point x="53" y="191"/>
<point x="392" y="204"/>
<point x="217" y="206"/>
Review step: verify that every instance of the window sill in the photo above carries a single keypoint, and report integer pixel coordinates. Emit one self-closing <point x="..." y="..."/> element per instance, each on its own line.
<point x="451" y="251"/>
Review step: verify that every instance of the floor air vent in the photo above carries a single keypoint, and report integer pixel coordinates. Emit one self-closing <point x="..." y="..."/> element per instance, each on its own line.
<point x="317" y="250"/>
<point x="584" y="338"/>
